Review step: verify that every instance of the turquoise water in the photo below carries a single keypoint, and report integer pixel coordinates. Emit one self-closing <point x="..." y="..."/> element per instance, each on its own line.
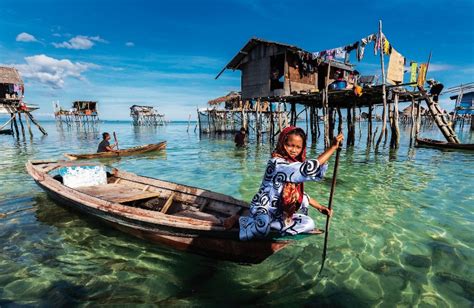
<point x="401" y="233"/>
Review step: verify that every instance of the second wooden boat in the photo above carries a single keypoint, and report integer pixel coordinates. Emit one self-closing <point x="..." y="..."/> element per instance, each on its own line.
<point x="147" y="148"/>
<point x="183" y="217"/>
<point x="424" y="142"/>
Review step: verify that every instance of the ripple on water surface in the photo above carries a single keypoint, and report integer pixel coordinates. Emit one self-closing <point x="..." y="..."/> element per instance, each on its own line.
<point x="401" y="234"/>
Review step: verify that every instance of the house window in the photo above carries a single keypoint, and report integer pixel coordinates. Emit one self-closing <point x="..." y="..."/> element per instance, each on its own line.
<point x="277" y="71"/>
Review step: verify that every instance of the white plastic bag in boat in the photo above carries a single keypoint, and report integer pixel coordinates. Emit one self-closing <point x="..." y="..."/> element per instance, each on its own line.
<point x="83" y="176"/>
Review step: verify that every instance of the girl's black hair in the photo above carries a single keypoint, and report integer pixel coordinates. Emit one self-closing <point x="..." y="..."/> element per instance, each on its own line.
<point x="298" y="132"/>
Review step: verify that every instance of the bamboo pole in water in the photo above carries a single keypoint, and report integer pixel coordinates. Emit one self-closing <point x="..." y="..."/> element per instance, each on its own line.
<point x="384" y="94"/>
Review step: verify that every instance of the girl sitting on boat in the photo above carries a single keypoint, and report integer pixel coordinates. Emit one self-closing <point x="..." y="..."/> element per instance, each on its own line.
<point x="281" y="203"/>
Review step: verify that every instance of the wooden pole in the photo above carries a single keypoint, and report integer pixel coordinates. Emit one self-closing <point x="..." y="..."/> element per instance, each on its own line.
<point x="395" y="138"/>
<point x="384" y="95"/>
<point x="312" y="125"/>
<point x="369" y="125"/>
<point x="116" y="141"/>
<point x="8" y="122"/>
<point x="412" y="117"/>
<point x="36" y="123"/>
<point x="418" y="119"/>
<point x="331" y="197"/>
<point x="189" y="123"/>
<point x="21" y="125"/>
<point x="16" y="126"/>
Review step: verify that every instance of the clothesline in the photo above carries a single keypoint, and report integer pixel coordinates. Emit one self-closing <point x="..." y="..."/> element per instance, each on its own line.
<point x="397" y="61"/>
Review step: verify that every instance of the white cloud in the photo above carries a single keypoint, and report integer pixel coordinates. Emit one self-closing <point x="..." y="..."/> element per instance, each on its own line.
<point x="51" y="71"/>
<point x="25" y="37"/>
<point x="80" y="42"/>
<point x="435" y="67"/>
<point x="129" y="44"/>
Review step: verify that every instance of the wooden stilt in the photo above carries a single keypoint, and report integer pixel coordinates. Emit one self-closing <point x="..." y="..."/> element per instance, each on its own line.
<point x="395" y="137"/>
<point x="384" y="94"/>
<point x="412" y="117"/>
<point x="36" y="123"/>
<point x="369" y="125"/>
<point x="312" y="125"/>
<point x="16" y="126"/>
<point x="418" y="119"/>
<point x="21" y="125"/>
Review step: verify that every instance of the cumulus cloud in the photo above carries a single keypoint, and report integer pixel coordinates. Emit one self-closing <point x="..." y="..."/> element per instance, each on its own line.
<point x="25" y="37"/>
<point x="52" y="72"/>
<point x="129" y="44"/>
<point x="80" y="42"/>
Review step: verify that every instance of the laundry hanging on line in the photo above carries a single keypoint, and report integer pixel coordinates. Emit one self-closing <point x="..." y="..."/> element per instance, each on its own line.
<point x="413" y="69"/>
<point x="396" y="66"/>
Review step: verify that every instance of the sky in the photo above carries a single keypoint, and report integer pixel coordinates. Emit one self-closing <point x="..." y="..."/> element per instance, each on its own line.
<point x="167" y="53"/>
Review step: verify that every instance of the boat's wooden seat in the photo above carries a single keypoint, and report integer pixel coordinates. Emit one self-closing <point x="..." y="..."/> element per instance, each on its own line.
<point x="198" y="215"/>
<point x="117" y="193"/>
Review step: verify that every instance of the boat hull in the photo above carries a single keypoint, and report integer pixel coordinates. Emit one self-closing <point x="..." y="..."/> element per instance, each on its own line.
<point x="422" y="142"/>
<point x="218" y="245"/>
<point x="126" y="152"/>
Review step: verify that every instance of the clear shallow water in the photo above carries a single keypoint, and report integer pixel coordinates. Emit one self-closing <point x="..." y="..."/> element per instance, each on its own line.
<point x="401" y="234"/>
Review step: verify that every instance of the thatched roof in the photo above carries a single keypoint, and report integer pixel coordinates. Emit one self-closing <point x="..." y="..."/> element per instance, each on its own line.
<point x="10" y="75"/>
<point x="232" y="96"/>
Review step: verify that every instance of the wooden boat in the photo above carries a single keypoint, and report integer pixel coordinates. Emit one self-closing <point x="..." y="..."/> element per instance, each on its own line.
<point x="183" y="217"/>
<point x="423" y="142"/>
<point x="6" y="132"/>
<point x="125" y="152"/>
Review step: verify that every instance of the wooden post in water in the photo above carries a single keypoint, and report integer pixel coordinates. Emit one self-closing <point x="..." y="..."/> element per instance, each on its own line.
<point x="418" y="119"/>
<point x="21" y="125"/>
<point x="16" y="126"/>
<point x="369" y="125"/>
<point x="395" y="137"/>
<point x="29" y="126"/>
<point x="384" y="94"/>
<point x="412" y="117"/>
<point x="280" y="125"/>
<point x="272" y="124"/>
<point x="312" y="126"/>
<point x="42" y="130"/>
<point x="331" y="123"/>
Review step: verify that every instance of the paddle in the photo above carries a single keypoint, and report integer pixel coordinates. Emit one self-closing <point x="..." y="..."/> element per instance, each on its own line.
<point x="116" y="142"/>
<point x="331" y="196"/>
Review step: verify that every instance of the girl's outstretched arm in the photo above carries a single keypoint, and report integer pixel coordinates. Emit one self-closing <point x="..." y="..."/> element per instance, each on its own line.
<point x="321" y="208"/>
<point x="324" y="157"/>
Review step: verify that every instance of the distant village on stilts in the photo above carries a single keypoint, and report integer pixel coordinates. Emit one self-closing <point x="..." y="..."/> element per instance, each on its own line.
<point x="282" y="84"/>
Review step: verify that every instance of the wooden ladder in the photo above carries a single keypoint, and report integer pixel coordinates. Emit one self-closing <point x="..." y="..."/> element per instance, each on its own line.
<point x="443" y="123"/>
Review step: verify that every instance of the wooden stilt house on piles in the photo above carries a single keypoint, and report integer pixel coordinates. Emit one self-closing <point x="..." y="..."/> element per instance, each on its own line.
<point x="146" y="116"/>
<point x="325" y="81"/>
<point x="227" y="114"/>
<point x="12" y="91"/>
<point x="81" y="113"/>
<point x="464" y="104"/>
